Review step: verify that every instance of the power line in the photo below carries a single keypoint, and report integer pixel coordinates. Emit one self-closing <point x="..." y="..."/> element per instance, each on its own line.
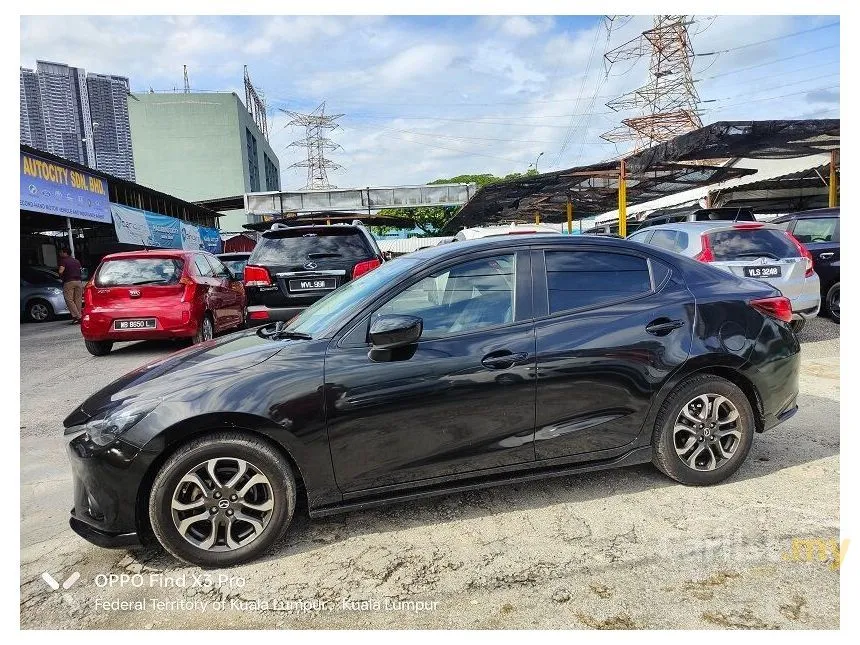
<point x="778" y="60"/>
<point x="768" y="40"/>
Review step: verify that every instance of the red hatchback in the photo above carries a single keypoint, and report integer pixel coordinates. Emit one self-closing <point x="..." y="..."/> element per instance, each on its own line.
<point x="147" y="295"/>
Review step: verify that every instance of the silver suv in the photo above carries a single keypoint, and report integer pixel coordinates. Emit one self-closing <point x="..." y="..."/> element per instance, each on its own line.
<point x="749" y="249"/>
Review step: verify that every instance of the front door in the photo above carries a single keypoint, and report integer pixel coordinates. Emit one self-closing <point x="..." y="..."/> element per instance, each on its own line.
<point x="460" y="401"/>
<point x="610" y="328"/>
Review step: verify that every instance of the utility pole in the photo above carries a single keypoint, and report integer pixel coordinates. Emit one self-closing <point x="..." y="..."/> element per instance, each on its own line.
<point x="316" y="124"/>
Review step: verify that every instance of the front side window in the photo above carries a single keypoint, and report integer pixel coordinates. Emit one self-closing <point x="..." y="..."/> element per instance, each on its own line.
<point x="577" y="279"/>
<point x="462" y="298"/>
<point x="819" y="229"/>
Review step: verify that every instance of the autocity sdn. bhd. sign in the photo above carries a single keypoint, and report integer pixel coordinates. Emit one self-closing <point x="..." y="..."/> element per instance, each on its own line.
<point x="56" y="189"/>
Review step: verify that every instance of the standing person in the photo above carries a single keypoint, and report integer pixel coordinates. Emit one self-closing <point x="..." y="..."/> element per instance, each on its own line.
<point x="70" y="273"/>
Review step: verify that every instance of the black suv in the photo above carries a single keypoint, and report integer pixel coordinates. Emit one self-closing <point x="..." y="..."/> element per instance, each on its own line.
<point x="818" y="231"/>
<point x="294" y="266"/>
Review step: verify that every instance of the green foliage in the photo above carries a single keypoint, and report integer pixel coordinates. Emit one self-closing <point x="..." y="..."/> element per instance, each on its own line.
<point x="431" y="218"/>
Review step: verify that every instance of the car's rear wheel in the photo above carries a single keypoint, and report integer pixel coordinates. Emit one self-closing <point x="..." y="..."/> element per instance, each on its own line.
<point x="831" y="302"/>
<point x="98" y="347"/>
<point x="703" y="431"/>
<point x="39" y="311"/>
<point x="206" y="330"/>
<point x="797" y="325"/>
<point x="222" y="499"/>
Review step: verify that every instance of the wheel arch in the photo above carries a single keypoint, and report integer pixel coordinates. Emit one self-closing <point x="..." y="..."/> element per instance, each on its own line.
<point x="170" y="441"/>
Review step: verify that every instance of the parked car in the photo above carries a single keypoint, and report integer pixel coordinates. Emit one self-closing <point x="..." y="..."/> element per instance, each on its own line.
<point x="723" y="214"/>
<point x="42" y="297"/>
<point x="514" y="228"/>
<point x="818" y="231"/>
<point x="294" y="266"/>
<point x="235" y="262"/>
<point x="489" y="361"/>
<point x="160" y="294"/>
<point x="749" y="249"/>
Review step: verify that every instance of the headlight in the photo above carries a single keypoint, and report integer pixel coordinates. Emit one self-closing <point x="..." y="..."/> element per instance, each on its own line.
<point x="103" y="429"/>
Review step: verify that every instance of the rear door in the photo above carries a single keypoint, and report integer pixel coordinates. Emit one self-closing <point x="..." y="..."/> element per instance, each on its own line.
<point x="612" y="325"/>
<point x="764" y="253"/>
<point x="231" y="291"/>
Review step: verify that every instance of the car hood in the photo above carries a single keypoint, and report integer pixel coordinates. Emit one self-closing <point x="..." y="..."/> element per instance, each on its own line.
<point x="167" y="377"/>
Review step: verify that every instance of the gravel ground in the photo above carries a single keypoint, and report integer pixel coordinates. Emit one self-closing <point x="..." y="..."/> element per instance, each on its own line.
<point x="616" y="549"/>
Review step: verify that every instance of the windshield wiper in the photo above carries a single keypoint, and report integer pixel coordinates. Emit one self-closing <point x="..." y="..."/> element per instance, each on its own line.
<point x="276" y="331"/>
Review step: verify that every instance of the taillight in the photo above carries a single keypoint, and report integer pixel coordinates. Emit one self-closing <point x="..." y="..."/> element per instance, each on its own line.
<point x="779" y="307"/>
<point x="364" y="267"/>
<point x="804" y="252"/>
<point x="88" y="294"/>
<point x="257" y="276"/>
<point x="190" y="287"/>
<point x="706" y="254"/>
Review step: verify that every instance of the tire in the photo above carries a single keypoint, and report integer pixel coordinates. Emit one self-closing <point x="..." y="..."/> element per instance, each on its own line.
<point x="39" y="310"/>
<point x="665" y="440"/>
<point x="797" y="325"/>
<point x="831" y="303"/>
<point x="203" y="334"/>
<point x="99" y="347"/>
<point x="225" y="507"/>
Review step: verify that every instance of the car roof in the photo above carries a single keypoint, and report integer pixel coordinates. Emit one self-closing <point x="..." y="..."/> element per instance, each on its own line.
<point x="710" y="225"/>
<point x="233" y="254"/>
<point x="810" y="214"/>
<point x="152" y="253"/>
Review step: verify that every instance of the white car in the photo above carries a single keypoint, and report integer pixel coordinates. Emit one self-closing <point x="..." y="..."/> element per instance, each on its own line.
<point x="505" y="229"/>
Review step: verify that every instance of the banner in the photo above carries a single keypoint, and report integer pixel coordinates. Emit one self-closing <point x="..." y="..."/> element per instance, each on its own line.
<point x="143" y="228"/>
<point x="56" y="189"/>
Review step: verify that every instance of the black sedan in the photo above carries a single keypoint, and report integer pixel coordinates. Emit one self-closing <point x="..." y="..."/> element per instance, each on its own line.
<point x="467" y="365"/>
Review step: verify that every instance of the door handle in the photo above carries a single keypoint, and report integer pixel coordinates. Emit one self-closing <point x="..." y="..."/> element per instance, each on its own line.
<point x="503" y="359"/>
<point x="826" y="256"/>
<point x="663" y="326"/>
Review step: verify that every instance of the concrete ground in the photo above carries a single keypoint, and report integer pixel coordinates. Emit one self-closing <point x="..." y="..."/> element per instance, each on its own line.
<point x="616" y="549"/>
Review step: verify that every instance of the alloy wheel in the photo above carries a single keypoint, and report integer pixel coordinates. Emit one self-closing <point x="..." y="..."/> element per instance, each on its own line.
<point x="207" y="329"/>
<point x="706" y="433"/>
<point x="222" y="504"/>
<point x="39" y="312"/>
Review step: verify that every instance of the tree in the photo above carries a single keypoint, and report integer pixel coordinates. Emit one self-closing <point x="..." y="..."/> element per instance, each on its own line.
<point x="432" y="218"/>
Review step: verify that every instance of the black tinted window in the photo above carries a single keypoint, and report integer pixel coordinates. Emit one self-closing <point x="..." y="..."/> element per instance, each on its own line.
<point x="139" y="271"/>
<point x="738" y="244"/>
<point x="586" y="278"/>
<point x="36" y="276"/>
<point x="300" y="247"/>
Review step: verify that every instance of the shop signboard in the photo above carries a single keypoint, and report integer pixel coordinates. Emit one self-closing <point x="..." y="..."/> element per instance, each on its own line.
<point x="143" y="228"/>
<point x="56" y="189"/>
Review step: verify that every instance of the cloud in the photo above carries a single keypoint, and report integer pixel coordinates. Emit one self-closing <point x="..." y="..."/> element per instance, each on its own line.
<point x="823" y="96"/>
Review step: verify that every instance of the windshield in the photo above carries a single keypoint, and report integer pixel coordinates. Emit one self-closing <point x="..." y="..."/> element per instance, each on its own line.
<point x="138" y="271"/>
<point x="342" y="303"/>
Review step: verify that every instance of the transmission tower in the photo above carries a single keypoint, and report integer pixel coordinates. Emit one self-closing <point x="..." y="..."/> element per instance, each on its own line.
<point x="316" y="124"/>
<point x="256" y="105"/>
<point x="668" y="103"/>
<point x="187" y="84"/>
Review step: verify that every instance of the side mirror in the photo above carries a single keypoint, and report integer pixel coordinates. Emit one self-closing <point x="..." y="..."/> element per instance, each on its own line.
<point x="393" y="331"/>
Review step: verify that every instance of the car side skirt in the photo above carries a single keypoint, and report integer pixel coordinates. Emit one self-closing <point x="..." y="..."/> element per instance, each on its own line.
<point x="635" y="456"/>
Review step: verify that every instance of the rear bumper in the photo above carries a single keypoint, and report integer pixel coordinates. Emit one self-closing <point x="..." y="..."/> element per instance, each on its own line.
<point x="180" y="322"/>
<point x="261" y="314"/>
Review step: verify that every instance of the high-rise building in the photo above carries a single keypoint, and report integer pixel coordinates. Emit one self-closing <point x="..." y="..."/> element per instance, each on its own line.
<point x="78" y="116"/>
<point x="201" y="145"/>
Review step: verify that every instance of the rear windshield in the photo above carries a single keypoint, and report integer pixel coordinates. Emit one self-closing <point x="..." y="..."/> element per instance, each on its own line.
<point x="302" y="246"/>
<point x="740" y="244"/>
<point x="136" y="271"/>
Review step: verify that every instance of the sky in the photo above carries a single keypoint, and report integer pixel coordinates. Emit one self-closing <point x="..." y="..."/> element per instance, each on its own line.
<point x="425" y="98"/>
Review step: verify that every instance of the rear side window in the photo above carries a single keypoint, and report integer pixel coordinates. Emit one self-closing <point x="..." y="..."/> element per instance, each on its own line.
<point x="203" y="267"/>
<point x="577" y="279"/>
<point x="818" y="229"/>
<point x="301" y="247"/>
<point x="738" y="244"/>
<point x="137" y="271"/>
<point x="664" y="239"/>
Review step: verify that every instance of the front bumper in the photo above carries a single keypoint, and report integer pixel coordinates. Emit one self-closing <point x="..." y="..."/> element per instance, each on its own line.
<point x="106" y="485"/>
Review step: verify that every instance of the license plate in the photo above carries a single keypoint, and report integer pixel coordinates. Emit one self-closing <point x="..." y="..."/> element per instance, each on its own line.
<point x="140" y="323"/>
<point x="763" y="272"/>
<point x="313" y="284"/>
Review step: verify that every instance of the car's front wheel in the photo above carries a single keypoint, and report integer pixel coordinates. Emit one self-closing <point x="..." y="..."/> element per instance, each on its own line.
<point x="704" y="431"/>
<point x="39" y="311"/>
<point x="222" y="499"/>
<point x="831" y="302"/>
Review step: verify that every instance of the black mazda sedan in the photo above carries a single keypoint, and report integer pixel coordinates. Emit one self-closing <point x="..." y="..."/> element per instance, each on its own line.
<point x="467" y="365"/>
